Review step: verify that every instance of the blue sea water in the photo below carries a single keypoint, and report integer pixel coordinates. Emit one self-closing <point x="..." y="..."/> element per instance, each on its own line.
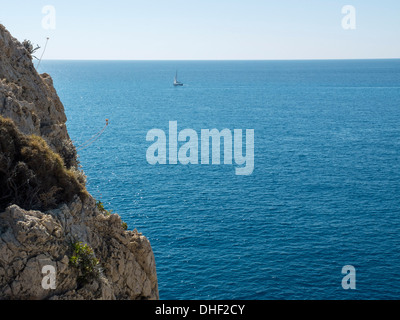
<point x="325" y="191"/>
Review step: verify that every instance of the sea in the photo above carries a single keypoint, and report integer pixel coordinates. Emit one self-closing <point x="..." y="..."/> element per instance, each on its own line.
<point x="324" y="192"/>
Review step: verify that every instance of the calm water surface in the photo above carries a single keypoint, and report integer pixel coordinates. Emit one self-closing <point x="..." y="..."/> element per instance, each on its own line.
<point x="325" y="191"/>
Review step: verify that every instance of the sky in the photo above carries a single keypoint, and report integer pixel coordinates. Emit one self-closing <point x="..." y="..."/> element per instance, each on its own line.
<point x="206" y="29"/>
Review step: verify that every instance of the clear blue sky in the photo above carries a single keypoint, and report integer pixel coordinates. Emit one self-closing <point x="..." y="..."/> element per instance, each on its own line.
<point x="207" y="29"/>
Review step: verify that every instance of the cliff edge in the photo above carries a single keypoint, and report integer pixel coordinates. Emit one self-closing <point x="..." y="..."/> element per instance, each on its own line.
<point x="56" y="241"/>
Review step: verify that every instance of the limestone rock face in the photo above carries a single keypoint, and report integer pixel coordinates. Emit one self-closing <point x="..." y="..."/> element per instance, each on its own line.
<point x="31" y="241"/>
<point x="26" y="97"/>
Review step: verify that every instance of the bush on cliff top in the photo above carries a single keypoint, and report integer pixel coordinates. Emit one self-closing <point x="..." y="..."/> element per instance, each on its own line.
<point x="31" y="174"/>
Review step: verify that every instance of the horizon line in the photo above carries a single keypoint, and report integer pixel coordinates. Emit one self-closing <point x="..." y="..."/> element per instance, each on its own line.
<point x="174" y="60"/>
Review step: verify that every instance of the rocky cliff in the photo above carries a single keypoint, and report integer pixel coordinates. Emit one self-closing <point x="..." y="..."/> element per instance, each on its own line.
<point x="47" y="218"/>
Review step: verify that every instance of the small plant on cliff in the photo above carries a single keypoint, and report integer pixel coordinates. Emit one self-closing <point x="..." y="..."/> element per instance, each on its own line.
<point x="29" y="47"/>
<point x="103" y="210"/>
<point x="100" y="207"/>
<point x="69" y="154"/>
<point x="84" y="260"/>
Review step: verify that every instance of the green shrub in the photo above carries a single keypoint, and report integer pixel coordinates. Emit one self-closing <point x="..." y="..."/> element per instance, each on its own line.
<point x="103" y="210"/>
<point x="84" y="260"/>
<point x="100" y="205"/>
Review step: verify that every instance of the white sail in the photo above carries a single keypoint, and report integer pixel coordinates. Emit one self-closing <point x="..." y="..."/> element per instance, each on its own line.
<point x="176" y="82"/>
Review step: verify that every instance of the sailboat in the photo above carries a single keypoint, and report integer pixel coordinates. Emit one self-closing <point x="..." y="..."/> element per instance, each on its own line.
<point x="176" y="82"/>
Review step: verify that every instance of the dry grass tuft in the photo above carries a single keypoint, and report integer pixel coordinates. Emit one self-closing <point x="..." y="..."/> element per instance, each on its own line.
<point x="31" y="174"/>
